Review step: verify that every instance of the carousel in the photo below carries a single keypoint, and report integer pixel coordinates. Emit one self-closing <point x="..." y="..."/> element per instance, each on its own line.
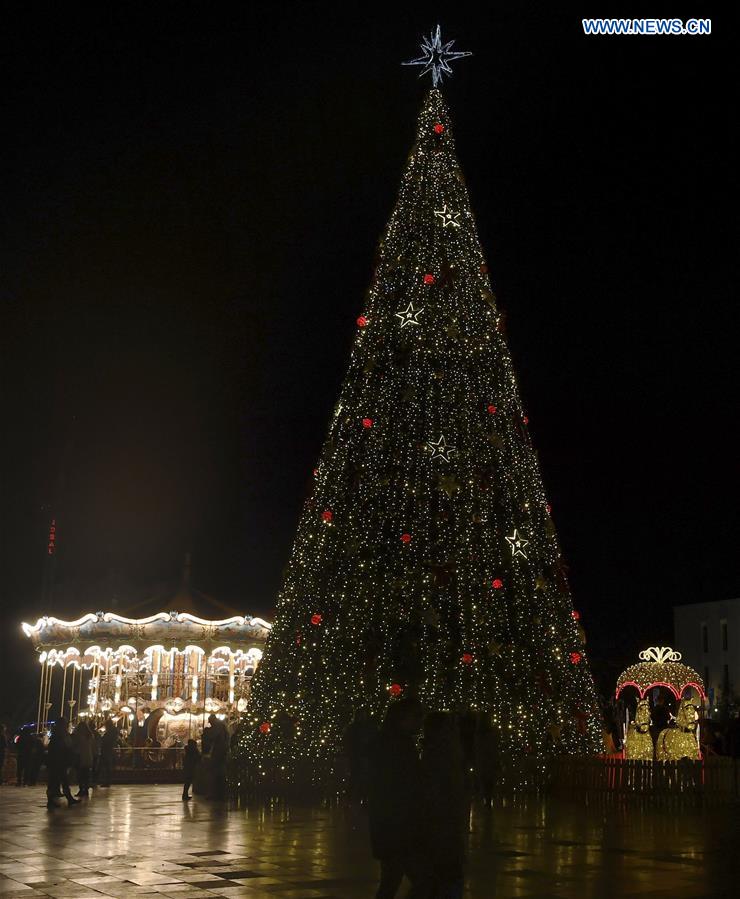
<point x="662" y="698"/>
<point x="165" y="673"/>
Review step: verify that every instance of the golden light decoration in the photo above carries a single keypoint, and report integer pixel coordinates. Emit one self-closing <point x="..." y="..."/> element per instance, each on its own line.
<point x="638" y="743"/>
<point x="661" y="667"/>
<point x="679" y="742"/>
<point x="430" y="367"/>
<point x="174" y="662"/>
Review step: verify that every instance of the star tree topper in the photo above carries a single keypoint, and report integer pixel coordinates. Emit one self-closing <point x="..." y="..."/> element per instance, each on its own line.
<point x="517" y="544"/>
<point x="436" y="56"/>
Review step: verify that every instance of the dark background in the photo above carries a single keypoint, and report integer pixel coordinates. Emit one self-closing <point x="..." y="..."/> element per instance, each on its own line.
<point x="192" y="203"/>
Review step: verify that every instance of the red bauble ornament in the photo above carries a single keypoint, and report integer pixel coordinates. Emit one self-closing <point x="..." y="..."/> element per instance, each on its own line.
<point x="467" y="658"/>
<point x="429" y="279"/>
<point x="575" y="615"/>
<point x="525" y="419"/>
<point x="497" y="583"/>
<point x="327" y="515"/>
<point x="265" y="727"/>
<point x="361" y="321"/>
<point x="439" y="128"/>
<point x="405" y="538"/>
<point x="575" y="658"/>
<point x="492" y="409"/>
<point x="395" y="689"/>
<point x="316" y="618"/>
<point x="367" y="422"/>
<point x="483" y="268"/>
<point x="548" y="509"/>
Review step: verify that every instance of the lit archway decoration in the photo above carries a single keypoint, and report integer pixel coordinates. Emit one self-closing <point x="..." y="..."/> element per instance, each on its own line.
<point x="661" y="666"/>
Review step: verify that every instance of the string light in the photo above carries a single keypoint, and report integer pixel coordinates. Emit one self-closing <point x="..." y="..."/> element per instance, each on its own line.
<point x="418" y="614"/>
<point x="661" y="666"/>
<point x="125" y="663"/>
<point x="638" y="741"/>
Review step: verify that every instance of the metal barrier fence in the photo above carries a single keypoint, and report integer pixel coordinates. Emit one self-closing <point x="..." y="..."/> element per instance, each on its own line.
<point x="713" y="780"/>
<point x="147" y="764"/>
<point x="148" y="758"/>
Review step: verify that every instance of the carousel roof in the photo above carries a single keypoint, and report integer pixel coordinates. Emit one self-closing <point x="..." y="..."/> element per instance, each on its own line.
<point x="166" y="629"/>
<point x="170" y="619"/>
<point x="661" y="667"/>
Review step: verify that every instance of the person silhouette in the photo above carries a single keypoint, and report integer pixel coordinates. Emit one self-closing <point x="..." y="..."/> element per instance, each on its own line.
<point x="397" y="804"/>
<point x="189" y="767"/>
<point x="58" y="760"/>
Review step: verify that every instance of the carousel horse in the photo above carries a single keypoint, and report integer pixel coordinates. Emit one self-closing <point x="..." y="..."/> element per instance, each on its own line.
<point x="679" y="742"/>
<point x="638" y="743"/>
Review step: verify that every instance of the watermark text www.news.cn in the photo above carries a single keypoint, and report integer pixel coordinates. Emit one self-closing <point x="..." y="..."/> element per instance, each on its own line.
<point x="647" y="26"/>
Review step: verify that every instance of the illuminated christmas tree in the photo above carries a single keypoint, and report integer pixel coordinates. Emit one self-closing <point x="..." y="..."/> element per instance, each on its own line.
<point x="426" y="562"/>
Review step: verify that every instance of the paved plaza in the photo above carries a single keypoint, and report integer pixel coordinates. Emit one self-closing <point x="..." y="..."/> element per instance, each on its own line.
<point x="144" y="841"/>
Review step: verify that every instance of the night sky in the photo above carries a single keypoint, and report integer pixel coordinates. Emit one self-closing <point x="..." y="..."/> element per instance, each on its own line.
<point x="189" y="217"/>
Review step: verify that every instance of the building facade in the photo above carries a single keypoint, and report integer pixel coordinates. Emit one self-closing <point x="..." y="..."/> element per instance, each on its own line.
<point x="708" y="634"/>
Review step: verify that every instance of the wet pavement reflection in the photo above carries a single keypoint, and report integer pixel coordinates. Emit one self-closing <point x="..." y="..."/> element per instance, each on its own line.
<point x="142" y="840"/>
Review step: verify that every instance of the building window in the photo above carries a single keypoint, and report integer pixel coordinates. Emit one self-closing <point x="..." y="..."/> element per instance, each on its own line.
<point x="723" y="634"/>
<point x="726" y="680"/>
<point x="706" y="678"/>
<point x="704" y="637"/>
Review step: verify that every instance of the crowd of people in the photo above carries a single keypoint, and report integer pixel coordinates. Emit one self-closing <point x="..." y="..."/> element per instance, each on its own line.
<point x="416" y="774"/>
<point x="86" y="755"/>
<point x="417" y="800"/>
<point x="84" y="750"/>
